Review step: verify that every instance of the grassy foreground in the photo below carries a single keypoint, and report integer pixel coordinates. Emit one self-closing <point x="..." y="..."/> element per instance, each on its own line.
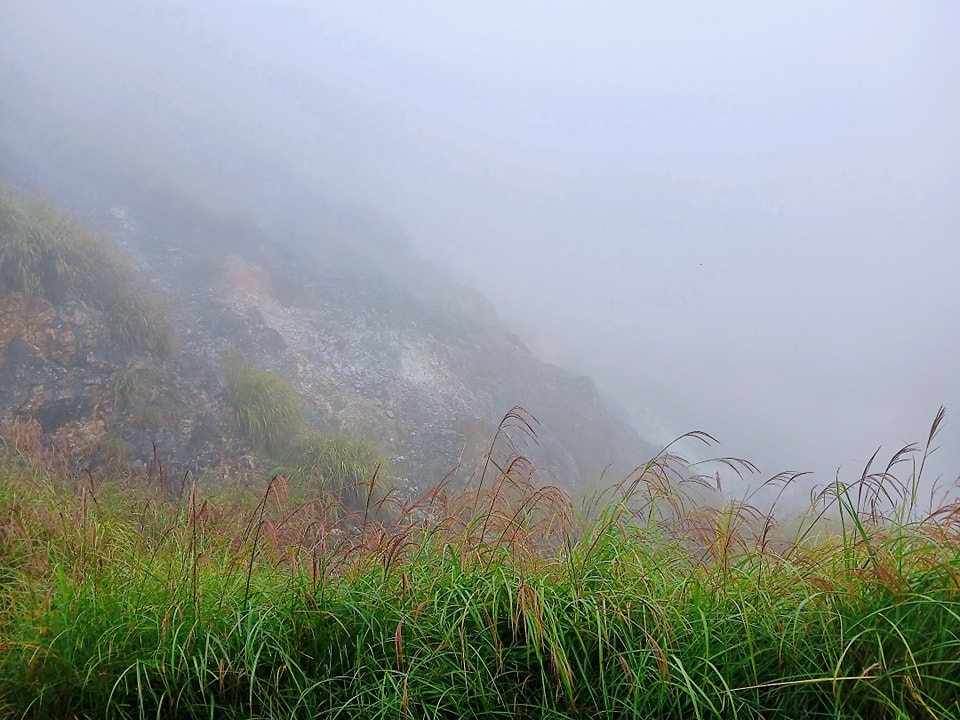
<point x="499" y="602"/>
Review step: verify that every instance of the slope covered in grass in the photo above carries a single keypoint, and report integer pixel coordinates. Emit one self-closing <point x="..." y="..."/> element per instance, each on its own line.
<point x="45" y="253"/>
<point x="505" y="601"/>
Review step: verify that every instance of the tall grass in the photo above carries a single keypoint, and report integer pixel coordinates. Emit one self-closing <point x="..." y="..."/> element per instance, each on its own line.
<point x="338" y="466"/>
<point x="268" y="410"/>
<point x="508" y="600"/>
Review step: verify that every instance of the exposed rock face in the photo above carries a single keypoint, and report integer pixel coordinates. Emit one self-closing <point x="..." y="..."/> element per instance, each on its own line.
<point x="50" y="359"/>
<point x="378" y="344"/>
<point x="100" y="403"/>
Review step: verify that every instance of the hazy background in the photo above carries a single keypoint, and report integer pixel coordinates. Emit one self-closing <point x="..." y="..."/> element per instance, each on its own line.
<point x="740" y="217"/>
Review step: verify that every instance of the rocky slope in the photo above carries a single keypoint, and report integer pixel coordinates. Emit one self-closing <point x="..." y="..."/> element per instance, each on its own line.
<point x="378" y="344"/>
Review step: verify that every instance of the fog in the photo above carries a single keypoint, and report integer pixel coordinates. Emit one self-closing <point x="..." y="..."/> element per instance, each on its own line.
<point x="736" y="217"/>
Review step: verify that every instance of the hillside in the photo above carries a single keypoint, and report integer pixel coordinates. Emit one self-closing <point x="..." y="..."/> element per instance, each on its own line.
<point x="377" y="345"/>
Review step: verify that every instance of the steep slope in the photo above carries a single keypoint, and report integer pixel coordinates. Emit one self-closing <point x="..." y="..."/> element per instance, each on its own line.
<point x="378" y="344"/>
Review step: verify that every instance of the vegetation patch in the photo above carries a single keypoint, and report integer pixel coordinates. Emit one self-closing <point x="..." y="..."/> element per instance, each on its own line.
<point x="44" y="253"/>
<point x="134" y="383"/>
<point x="268" y="409"/>
<point x="350" y="469"/>
<point x="338" y="470"/>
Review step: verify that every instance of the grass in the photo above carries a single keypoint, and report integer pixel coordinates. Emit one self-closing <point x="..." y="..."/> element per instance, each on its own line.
<point x="134" y="383"/>
<point x="268" y="409"/>
<point x="508" y="600"/>
<point x="325" y="468"/>
<point x="44" y="253"/>
<point x="332" y="465"/>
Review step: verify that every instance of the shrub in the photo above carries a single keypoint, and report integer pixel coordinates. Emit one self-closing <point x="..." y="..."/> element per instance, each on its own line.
<point x="268" y="409"/>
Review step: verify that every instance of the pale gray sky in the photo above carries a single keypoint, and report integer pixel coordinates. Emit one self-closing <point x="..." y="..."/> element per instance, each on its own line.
<point x="741" y="217"/>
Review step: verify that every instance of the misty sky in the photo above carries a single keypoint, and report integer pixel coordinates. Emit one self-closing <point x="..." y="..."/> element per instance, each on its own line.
<point x="740" y="217"/>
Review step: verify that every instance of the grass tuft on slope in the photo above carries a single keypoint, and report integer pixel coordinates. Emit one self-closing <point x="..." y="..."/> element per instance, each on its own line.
<point x="44" y="253"/>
